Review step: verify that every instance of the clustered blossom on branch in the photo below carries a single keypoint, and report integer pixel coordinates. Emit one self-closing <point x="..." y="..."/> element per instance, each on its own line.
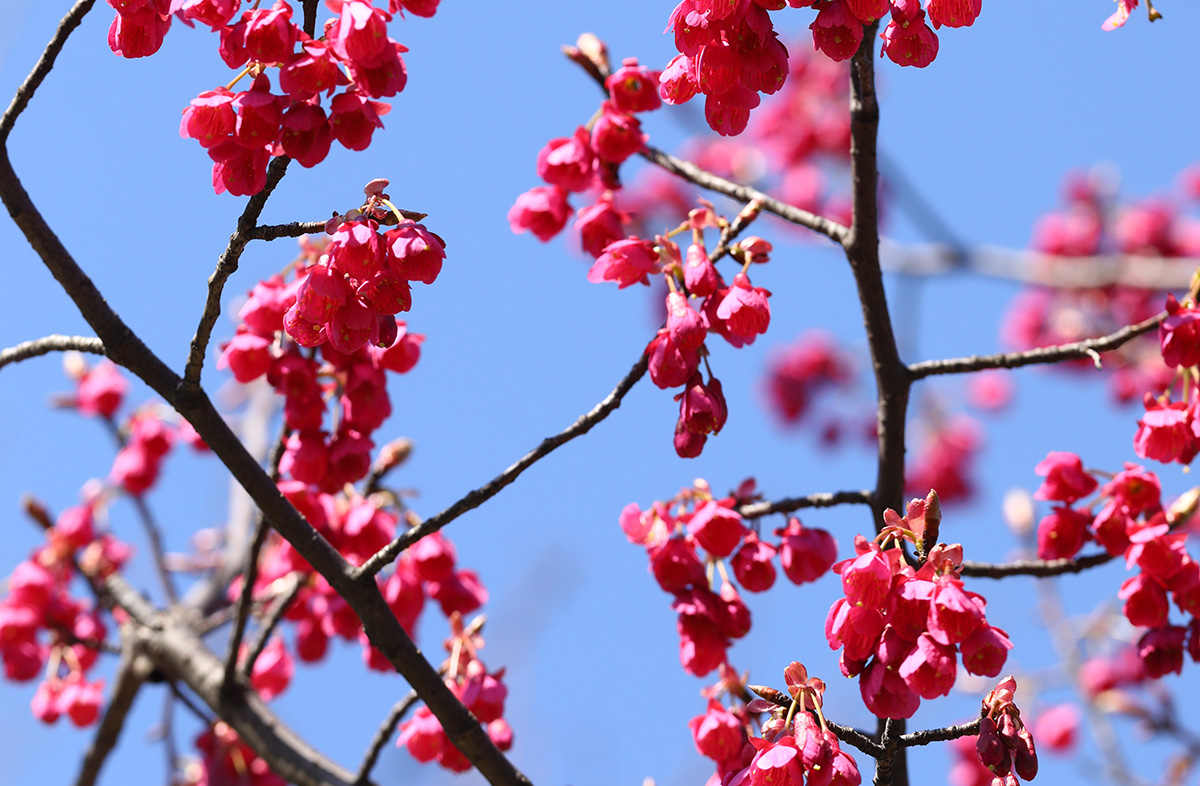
<point x="483" y="694"/>
<point x="674" y="532"/>
<point x="902" y="628"/>
<point x="588" y="161"/>
<point x="1169" y="431"/>
<point x="794" y="745"/>
<point x="45" y="629"/>
<point x="242" y="131"/>
<point x="1132" y="522"/>
<point x="729" y="50"/>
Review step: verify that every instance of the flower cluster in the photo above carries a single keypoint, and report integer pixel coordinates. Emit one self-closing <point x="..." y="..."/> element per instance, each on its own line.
<point x="588" y="160"/>
<point x="800" y="371"/>
<point x="1004" y="745"/>
<point x="241" y="131"/>
<point x="901" y="629"/>
<point x="1129" y="520"/>
<point x="145" y="437"/>
<point x="729" y="51"/>
<point x="45" y="630"/>
<point x="675" y="531"/>
<point x="946" y="458"/>
<point x="795" y="746"/>
<point x="1170" y="430"/>
<point x="482" y="692"/>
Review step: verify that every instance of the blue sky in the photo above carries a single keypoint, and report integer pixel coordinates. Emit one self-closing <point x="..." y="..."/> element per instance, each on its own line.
<point x="519" y="344"/>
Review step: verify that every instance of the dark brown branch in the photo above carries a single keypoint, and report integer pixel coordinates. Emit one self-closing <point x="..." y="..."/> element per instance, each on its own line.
<point x="227" y="265"/>
<point x="756" y="510"/>
<point x="1080" y="349"/>
<point x="132" y="672"/>
<point x="729" y="234"/>
<point x="246" y="599"/>
<point x="892" y="753"/>
<point x="383" y="734"/>
<point x="191" y="705"/>
<point x="1034" y="567"/>
<point x="856" y="738"/>
<point x="294" y="229"/>
<point x="295" y="581"/>
<point x="705" y="179"/>
<point x="54" y="343"/>
<point x="928" y="736"/>
<point x="42" y="68"/>
<point x="157" y="552"/>
<point x="892" y="380"/>
<point x="310" y="17"/>
<point x="480" y="495"/>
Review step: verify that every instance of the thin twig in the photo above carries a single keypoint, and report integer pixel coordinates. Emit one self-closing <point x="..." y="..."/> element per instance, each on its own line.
<point x="729" y="234"/>
<point x="249" y="578"/>
<point x="480" y="495"/>
<point x="194" y="708"/>
<point x="250" y="574"/>
<point x="754" y="510"/>
<point x="54" y="343"/>
<point x="743" y="193"/>
<point x="131" y="673"/>
<point x="157" y="552"/>
<point x="294" y="583"/>
<point x="383" y="734"/>
<point x="1034" y="567"/>
<point x="227" y="265"/>
<point x="42" y="68"/>
<point x="294" y="229"/>
<point x="940" y="735"/>
<point x="1055" y="354"/>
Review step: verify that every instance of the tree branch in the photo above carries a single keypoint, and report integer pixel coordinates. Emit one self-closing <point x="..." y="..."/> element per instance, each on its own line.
<point x="1038" y="269"/>
<point x="383" y="734"/>
<point x="132" y="672"/>
<point x="927" y="736"/>
<point x="890" y="734"/>
<point x="480" y="495"/>
<point x="856" y="738"/>
<point x="892" y="379"/>
<point x="754" y="510"/>
<point x="1034" y="567"/>
<point x="42" y="68"/>
<point x="705" y="179"/>
<point x="53" y="343"/>
<point x="292" y="588"/>
<point x="1080" y="349"/>
<point x="227" y="265"/>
